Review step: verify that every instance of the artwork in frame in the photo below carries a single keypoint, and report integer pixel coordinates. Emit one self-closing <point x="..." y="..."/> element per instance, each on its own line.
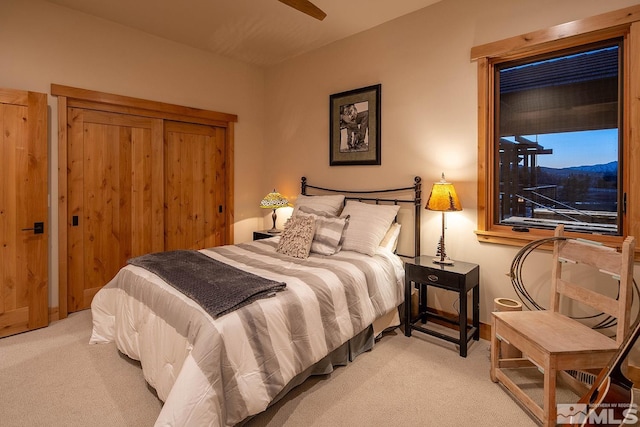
<point x="354" y="127"/>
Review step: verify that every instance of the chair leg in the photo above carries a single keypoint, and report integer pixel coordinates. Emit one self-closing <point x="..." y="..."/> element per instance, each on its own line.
<point x="549" y="399"/>
<point x="495" y="351"/>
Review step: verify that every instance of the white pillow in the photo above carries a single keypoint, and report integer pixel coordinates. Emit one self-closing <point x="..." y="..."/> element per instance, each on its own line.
<point x="367" y="225"/>
<point x="390" y="239"/>
<point x="326" y="204"/>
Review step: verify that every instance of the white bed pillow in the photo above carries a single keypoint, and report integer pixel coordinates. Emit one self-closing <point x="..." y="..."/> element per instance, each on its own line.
<point x="331" y="205"/>
<point x="367" y="226"/>
<point x="329" y="231"/>
<point x="390" y="239"/>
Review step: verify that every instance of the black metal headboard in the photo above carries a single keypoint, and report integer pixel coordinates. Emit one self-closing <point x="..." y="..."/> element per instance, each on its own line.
<point x="405" y="195"/>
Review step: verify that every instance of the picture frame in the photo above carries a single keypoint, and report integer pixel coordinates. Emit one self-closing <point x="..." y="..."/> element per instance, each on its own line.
<point x="354" y="127"/>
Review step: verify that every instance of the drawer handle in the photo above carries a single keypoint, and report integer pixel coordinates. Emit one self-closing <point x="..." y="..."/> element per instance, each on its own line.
<point x="432" y="277"/>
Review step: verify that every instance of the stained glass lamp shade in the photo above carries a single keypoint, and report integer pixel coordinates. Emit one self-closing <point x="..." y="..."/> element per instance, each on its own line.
<point x="274" y="200"/>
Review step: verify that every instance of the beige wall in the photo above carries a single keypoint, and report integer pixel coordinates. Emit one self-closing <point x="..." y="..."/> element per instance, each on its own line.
<point x="41" y="44"/>
<point x="428" y="104"/>
<point x="429" y="122"/>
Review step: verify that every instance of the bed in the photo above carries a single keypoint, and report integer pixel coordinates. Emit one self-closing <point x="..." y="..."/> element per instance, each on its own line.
<point x="220" y="369"/>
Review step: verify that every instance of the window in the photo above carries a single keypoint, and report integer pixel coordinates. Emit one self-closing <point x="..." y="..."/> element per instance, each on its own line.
<point x="556" y="131"/>
<point x="557" y="136"/>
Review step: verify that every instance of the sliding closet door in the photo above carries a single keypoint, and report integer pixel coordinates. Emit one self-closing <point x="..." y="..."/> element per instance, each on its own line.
<point x="195" y="186"/>
<point x="112" y="181"/>
<point x="115" y="197"/>
<point x="24" y="228"/>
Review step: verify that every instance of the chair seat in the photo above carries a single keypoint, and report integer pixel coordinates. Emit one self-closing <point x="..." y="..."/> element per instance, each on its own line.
<point x="554" y="333"/>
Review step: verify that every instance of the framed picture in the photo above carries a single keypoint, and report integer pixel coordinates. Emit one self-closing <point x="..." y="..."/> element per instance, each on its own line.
<point x="354" y="127"/>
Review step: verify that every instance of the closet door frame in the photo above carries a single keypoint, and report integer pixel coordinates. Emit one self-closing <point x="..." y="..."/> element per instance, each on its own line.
<point x="100" y="101"/>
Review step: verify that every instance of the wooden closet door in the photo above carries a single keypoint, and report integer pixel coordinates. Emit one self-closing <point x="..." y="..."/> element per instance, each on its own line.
<point x="195" y="188"/>
<point x="114" y="197"/>
<point x="24" y="298"/>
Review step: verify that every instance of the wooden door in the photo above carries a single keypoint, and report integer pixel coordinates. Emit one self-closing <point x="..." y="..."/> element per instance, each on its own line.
<point x="23" y="212"/>
<point x="115" y="197"/>
<point x="127" y="122"/>
<point x="195" y="191"/>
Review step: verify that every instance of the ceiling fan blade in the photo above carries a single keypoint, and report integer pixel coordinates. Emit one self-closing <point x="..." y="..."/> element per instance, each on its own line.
<point x="307" y="7"/>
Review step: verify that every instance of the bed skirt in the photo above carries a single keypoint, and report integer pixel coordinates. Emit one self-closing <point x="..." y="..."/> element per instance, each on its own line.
<point x="343" y="355"/>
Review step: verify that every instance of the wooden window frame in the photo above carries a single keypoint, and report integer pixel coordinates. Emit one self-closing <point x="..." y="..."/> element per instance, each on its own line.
<point x="623" y="23"/>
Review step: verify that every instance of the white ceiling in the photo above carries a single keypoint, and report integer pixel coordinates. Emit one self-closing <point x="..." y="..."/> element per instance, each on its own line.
<point x="261" y="32"/>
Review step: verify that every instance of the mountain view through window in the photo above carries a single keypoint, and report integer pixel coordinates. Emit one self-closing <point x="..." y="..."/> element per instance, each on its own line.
<point x="558" y="125"/>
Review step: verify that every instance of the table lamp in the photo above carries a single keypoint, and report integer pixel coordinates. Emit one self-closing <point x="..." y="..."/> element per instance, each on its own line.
<point x="274" y="200"/>
<point x="443" y="198"/>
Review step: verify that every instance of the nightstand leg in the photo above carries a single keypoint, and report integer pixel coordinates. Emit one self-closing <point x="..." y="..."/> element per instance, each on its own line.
<point x="476" y="312"/>
<point x="423" y="302"/>
<point x="407" y="307"/>
<point x="463" y="324"/>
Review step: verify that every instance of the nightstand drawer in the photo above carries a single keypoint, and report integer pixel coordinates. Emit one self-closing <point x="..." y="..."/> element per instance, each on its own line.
<point x="461" y="276"/>
<point x="433" y="276"/>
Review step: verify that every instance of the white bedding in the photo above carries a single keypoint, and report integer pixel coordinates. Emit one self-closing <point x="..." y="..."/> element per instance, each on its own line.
<point x="220" y="371"/>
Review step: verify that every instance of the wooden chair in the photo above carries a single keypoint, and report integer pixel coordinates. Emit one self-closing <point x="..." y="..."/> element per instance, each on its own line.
<point x="555" y="342"/>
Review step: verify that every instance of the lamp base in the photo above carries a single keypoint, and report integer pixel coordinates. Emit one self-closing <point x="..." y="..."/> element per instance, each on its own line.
<point x="274" y="230"/>
<point x="441" y="255"/>
<point x="445" y="261"/>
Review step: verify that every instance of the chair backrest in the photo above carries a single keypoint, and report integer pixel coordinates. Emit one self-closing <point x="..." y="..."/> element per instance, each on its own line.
<point x="603" y="258"/>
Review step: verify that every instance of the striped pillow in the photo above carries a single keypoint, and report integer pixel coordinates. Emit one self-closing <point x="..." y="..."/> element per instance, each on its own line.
<point x="329" y="229"/>
<point x="330" y="205"/>
<point x="367" y="226"/>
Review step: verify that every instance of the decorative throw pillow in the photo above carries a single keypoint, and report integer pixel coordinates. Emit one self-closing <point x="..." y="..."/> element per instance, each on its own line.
<point x="329" y="230"/>
<point x="327" y="204"/>
<point x="367" y="226"/>
<point x="297" y="236"/>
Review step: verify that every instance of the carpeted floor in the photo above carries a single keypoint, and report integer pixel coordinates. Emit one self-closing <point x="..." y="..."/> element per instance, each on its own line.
<point x="53" y="377"/>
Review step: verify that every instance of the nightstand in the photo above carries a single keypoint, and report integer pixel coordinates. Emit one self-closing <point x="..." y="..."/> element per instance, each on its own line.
<point x="461" y="277"/>
<point x="262" y="234"/>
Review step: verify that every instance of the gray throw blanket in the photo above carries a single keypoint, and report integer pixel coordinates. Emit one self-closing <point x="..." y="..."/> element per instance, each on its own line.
<point x="218" y="287"/>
